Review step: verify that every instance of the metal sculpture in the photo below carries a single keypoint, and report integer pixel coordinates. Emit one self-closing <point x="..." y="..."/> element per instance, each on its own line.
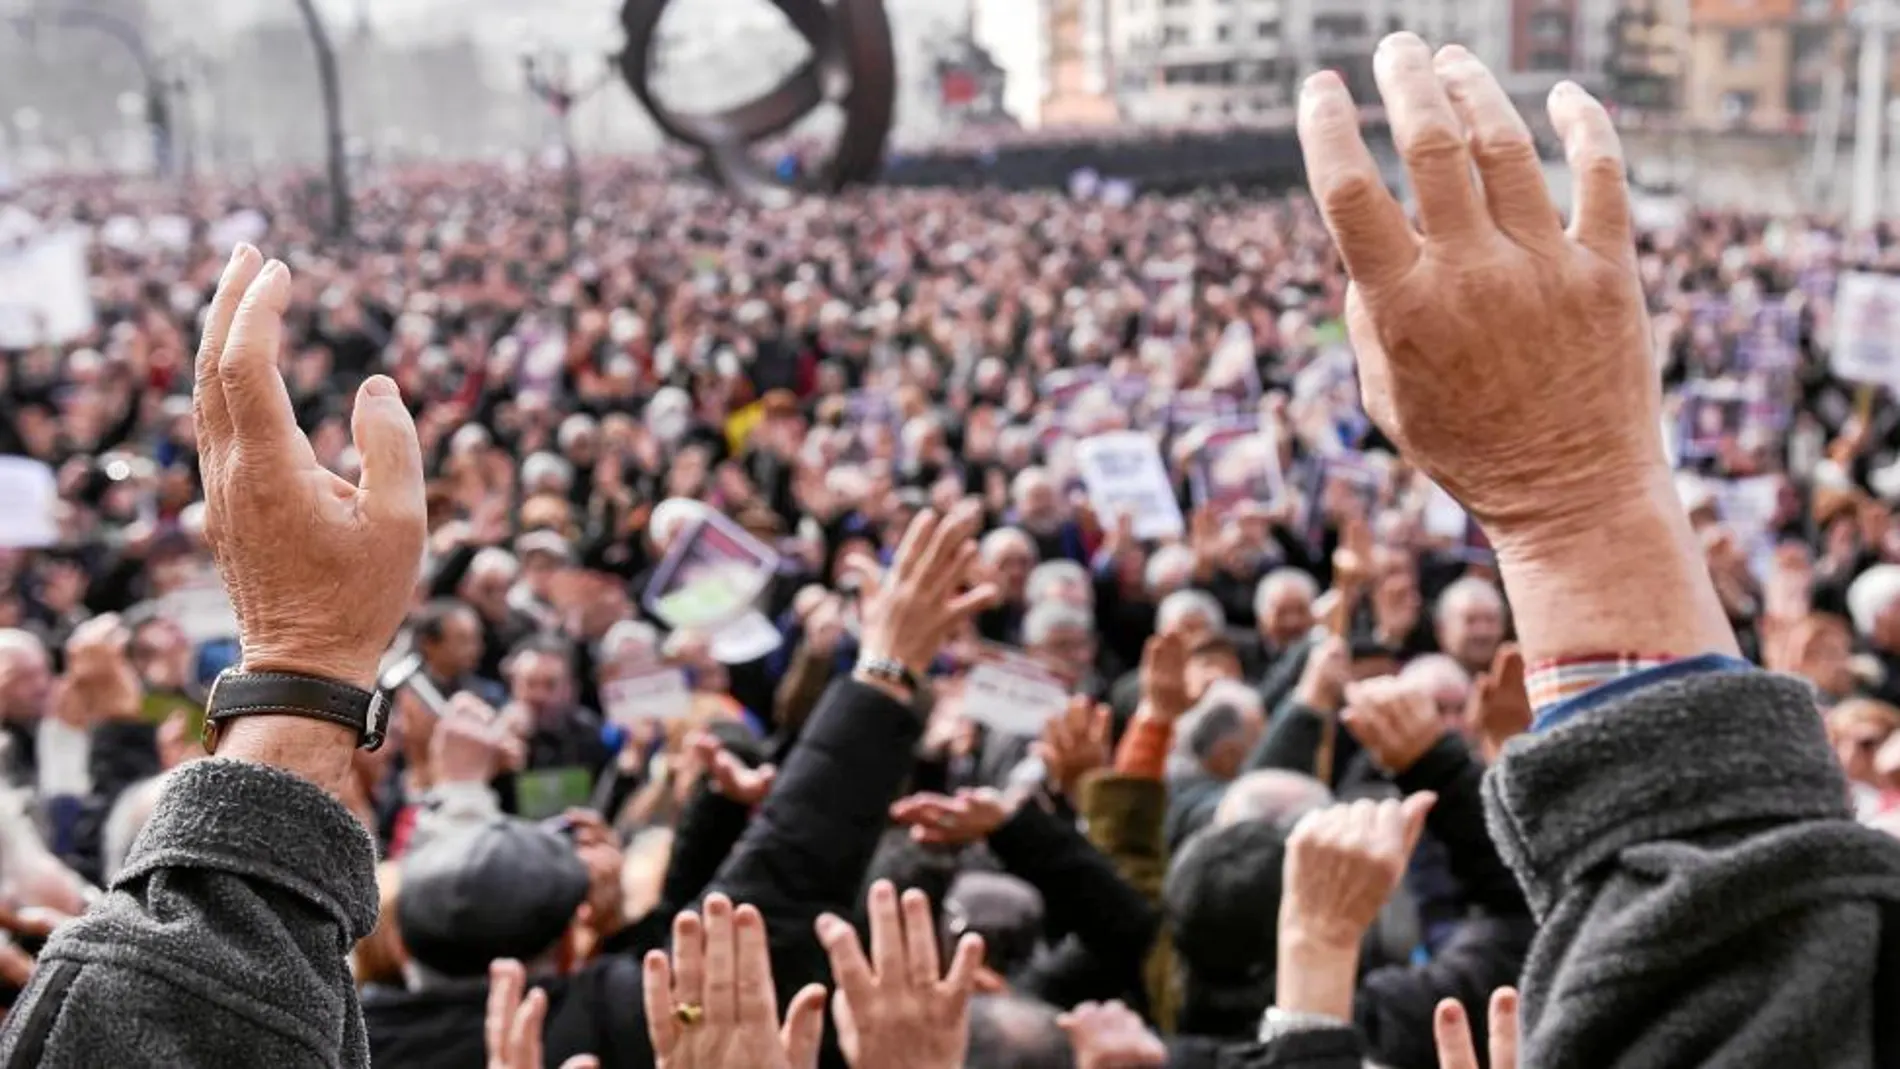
<point x="852" y="64"/>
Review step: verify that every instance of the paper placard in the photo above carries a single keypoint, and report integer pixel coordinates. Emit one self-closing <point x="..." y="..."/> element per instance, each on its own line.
<point x="1124" y="473"/>
<point x="204" y="613"/>
<point x="549" y="792"/>
<point x="657" y="694"/>
<point x="1867" y="329"/>
<point x="31" y="492"/>
<point x="1236" y="464"/>
<point x="711" y="576"/>
<point x="1013" y="696"/>
<point x="45" y="291"/>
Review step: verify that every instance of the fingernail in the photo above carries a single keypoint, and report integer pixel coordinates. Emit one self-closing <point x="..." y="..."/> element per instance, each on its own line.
<point x="241" y="254"/>
<point x="1321" y="81"/>
<point x="1565" y="88"/>
<point x="380" y="386"/>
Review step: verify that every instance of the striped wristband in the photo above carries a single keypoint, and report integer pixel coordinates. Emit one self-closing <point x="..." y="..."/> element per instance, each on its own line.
<point x="1560" y="679"/>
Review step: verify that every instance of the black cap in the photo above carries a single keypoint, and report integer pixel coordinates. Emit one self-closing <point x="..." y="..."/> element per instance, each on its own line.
<point x="505" y="889"/>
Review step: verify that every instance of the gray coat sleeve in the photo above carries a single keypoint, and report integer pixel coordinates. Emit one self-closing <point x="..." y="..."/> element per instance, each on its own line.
<point x="221" y="943"/>
<point x="1704" y="895"/>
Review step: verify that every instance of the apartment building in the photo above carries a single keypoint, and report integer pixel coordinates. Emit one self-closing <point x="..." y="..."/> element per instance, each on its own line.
<point x="1762" y="64"/>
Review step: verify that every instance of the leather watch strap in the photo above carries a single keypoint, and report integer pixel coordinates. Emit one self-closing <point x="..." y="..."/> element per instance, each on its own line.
<point x="238" y="694"/>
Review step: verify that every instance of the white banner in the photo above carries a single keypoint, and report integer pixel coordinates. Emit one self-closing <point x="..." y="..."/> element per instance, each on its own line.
<point x="661" y="694"/>
<point x="45" y="294"/>
<point x="1867" y="329"/>
<point x="1013" y="696"/>
<point x="30" y="493"/>
<point x="1124" y="473"/>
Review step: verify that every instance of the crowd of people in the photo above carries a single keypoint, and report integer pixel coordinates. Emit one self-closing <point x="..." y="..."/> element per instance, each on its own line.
<point x="1228" y="805"/>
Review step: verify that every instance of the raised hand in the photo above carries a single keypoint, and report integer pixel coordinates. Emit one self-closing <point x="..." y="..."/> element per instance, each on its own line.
<point x="729" y="776"/>
<point x="99" y="677"/>
<point x="896" y="1010"/>
<point x="971" y="816"/>
<point x="1075" y="744"/>
<point x="319" y="570"/>
<point x="470" y="744"/>
<point x="1453" y="1033"/>
<point x="909" y="614"/>
<point x="1500" y="707"/>
<point x="1323" y="681"/>
<point x="512" y="1027"/>
<point x="714" y="1006"/>
<point x="1396" y="721"/>
<point x="1111" y="1036"/>
<point x="1164" y="676"/>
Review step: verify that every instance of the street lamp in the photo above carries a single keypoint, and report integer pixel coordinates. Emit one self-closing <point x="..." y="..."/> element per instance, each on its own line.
<point x="334" y="149"/>
<point x="553" y="84"/>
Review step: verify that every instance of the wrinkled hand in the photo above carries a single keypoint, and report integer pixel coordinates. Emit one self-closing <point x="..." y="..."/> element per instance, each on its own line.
<point x="1352" y="560"/>
<point x="1344" y="861"/>
<point x="1164" y="692"/>
<point x="470" y="744"/>
<point x="1396" y="721"/>
<point x="98" y="673"/>
<point x="1490" y="306"/>
<point x="511" y="1029"/>
<point x="1322" y="685"/>
<point x="1111" y="1036"/>
<point x="972" y="816"/>
<point x="1453" y="1033"/>
<point x="1500" y="708"/>
<point x="1075" y="744"/>
<point x="320" y="571"/>
<point x="916" y="607"/>
<point x="894" y="1009"/>
<point x="730" y="777"/>
<point x="721" y="966"/>
<point x="824" y="629"/>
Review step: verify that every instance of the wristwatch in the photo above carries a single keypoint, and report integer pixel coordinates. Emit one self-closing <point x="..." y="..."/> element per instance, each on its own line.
<point x="237" y="694"/>
<point x="891" y="670"/>
<point x="1277" y="1022"/>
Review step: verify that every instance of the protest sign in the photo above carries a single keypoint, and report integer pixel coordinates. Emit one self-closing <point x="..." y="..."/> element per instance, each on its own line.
<point x="1236" y="463"/>
<point x="653" y="693"/>
<point x="1346" y="484"/>
<point x="544" y="793"/>
<point x="202" y="610"/>
<point x="711" y="576"/>
<point x="1012" y="694"/>
<point x="29" y="496"/>
<point x="45" y="290"/>
<point x="1124" y="474"/>
<point x="1748" y="509"/>
<point x="1867" y="329"/>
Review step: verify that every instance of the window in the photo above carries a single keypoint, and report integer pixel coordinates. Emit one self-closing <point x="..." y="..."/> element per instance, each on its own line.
<point x="1547" y="59"/>
<point x="1811" y="46"/>
<point x="1739" y="46"/>
<point x="1266" y="28"/>
<point x="1550" y="28"/>
<point x="1737" y="104"/>
<point x="1804" y="98"/>
<point x="1174" y="3"/>
<point x="1173" y="35"/>
<point x="1817" y="9"/>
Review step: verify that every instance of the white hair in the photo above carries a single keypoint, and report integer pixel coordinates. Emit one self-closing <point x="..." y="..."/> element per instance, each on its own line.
<point x="1052" y="573"/>
<point x="1283" y="579"/>
<point x="1049" y="616"/>
<point x="671" y="516"/>
<point x="1434" y="670"/>
<point x="16" y="640"/>
<point x="1464" y="590"/>
<point x="574" y="428"/>
<point x="915" y="430"/>
<point x="1166" y="560"/>
<point x="1026" y="480"/>
<point x="495" y="561"/>
<point x="127" y="818"/>
<point x="628" y="636"/>
<point x="1181" y="604"/>
<point x="996" y="541"/>
<point x="540" y="466"/>
<point x="1870" y="595"/>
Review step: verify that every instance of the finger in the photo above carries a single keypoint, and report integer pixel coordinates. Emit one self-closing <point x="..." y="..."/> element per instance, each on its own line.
<point x="1500" y="144"/>
<point x="1453" y="1035"/>
<point x="580" y="1061"/>
<point x="254" y="395"/>
<point x="1430" y="139"/>
<point x="920" y="939"/>
<point x="949" y="542"/>
<point x="887" y="933"/>
<point x="940" y="580"/>
<point x="1414" y="810"/>
<point x="689" y="958"/>
<point x="1376" y="243"/>
<point x="848" y="967"/>
<point x="1504" y="1028"/>
<point x="973" y="601"/>
<point x="208" y="408"/>
<point x="758" y="996"/>
<point x="659" y="995"/>
<point x="804" y="1033"/>
<point x="1101" y="725"/>
<point x="916" y="537"/>
<point x="722" y="978"/>
<point x="964" y="966"/>
<point x="385" y="434"/>
<point x="1600" y="218"/>
<point x="524" y="1037"/>
<point x="1509" y="668"/>
<point x="505" y="980"/>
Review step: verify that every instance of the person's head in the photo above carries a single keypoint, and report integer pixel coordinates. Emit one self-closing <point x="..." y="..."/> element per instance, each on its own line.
<point x="1061" y="635"/>
<point x="448" y="635"/>
<point x="1009" y="555"/>
<point x="1012" y="1032"/>
<point x="579" y="438"/>
<point x="1004" y="910"/>
<point x="1209" y="660"/>
<point x="1037" y="503"/>
<point x="540" y="671"/>
<point x="1168" y="571"/>
<point x="26" y="675"/>
<point x="670" y="518"/>
<point x="1060" y="580"/>
<point x="1273" y="796"/>
<point x="546" y="473"/>
<point x="1445" y="680"/>
<point x="1470" y="621"/>
<point x="1222" y="897"/>
<point x="491" y="573"/>
<point x="1193" y="614"/>
<point x="504" y="889"/>
<point x="1283" y="605"/>
<point x="543" y="554"/>
<point x="1223" y="728"/>
<point x="1857" y="728"/>
<point x="1874" y="602"/>
<point x="1395" y="595"/>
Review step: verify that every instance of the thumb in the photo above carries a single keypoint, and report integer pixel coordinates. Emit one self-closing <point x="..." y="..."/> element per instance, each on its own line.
<point x="385" y="436"/>
<point x="804" y="1030"/>
<point x="1415" y="809"/>
<point x="1509" y="669"/>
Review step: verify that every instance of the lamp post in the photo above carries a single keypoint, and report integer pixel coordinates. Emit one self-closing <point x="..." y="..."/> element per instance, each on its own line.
<point x="1876" y="18"/>
<point x="553" y="84"/>
<point x="335" y="150"/>
<point x="156" y="106"/>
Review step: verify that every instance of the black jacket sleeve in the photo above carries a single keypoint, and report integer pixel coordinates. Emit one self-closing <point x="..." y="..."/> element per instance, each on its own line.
<point x="1457" y="821"/>
<point x="708" y="827"/>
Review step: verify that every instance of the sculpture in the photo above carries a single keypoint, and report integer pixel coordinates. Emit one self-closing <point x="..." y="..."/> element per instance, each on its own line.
<point x="852" y="64"/>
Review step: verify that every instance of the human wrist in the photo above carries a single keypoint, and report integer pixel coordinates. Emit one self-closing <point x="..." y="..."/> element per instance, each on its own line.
<point x="315" y="750"/>
<point x="1627" y="576"/>
<point x="350" y="671"/>
<point x="1317" y="969"/>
